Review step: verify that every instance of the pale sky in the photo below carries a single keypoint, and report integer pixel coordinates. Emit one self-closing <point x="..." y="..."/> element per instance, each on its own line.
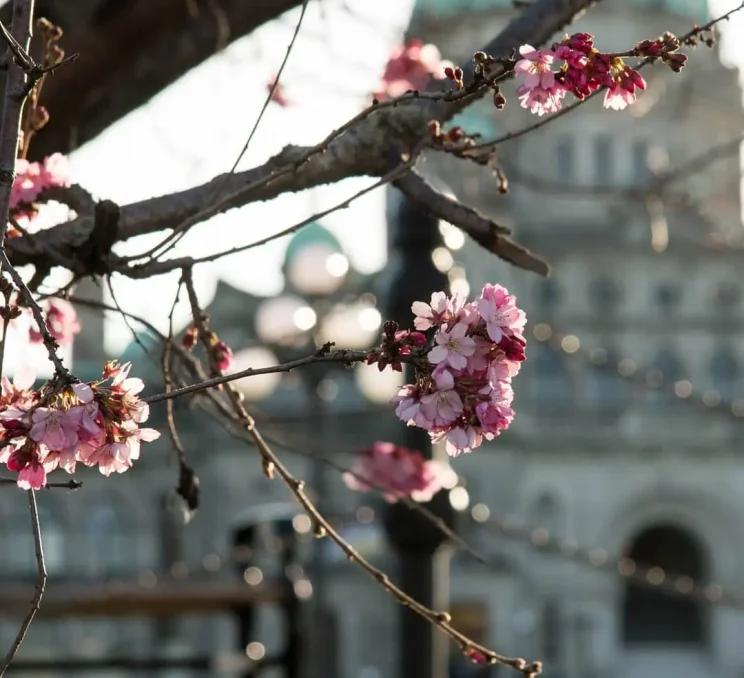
<point x="194" y="129"/>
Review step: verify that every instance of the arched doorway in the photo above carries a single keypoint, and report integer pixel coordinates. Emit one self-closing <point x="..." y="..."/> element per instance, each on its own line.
<point x="662" y="634"/>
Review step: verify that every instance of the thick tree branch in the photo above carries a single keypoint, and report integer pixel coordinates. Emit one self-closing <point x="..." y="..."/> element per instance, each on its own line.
<point x="482" y="229"/>
<point x="360" y="149"/>
<point x="15" y="95"/>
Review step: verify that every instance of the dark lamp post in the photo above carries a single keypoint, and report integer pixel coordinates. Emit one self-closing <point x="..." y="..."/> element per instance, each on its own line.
<point x="424" y="564"/>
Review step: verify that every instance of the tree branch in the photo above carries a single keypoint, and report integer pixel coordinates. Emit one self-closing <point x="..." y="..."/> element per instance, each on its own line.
<point x="359" y="149"/>
<point x="40" y="585"/>
<point x="483" y="230"/>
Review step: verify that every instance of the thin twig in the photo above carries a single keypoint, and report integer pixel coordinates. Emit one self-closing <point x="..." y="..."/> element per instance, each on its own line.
<point x="159" y="267"/>
<point x="273" y="465"/>
<point x="272" y="89"/>
<point x="40" y="584"/>
<point x="70" y="484"/>
<point x="696" y="30"/>
<point x="169" y="242"/>
<point x="49" y="342"/>
<point x="342" y="356"/>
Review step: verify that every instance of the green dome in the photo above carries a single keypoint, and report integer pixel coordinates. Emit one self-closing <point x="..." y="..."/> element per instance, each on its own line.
<point x="312" y="234"/>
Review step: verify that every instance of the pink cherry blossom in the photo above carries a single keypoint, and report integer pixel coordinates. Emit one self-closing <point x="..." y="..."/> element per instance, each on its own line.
<point x="534" y="68"/>
<point x="410" y="67"/>
<point x="541" y="100"/>
<point x="83" y="392"/>
<point x="617" y="98"/>
<point x="55" y="171"/>
<point x="223" y="356"/>
<point x="462" y="392"/>
<point x="441" y="407"/>
<point x="31" y="179"/>
<point x="495" y="414"/>
<point x="62" y="322"/>
<point x="441" y="309"/>
<point x="499" y="310"/>
<point x="110" y="458"/>
<point x="278" y="95"/>
<point x="461" y="439"/>
<point x="398" y="472"/>
<point x="57" y="429"/>
<point x="32" y="477"/>
<point x="453" y="347"/>
<point x="27" y="183"/>
<point x="582" y="70"/>
<point x="96" y="423"/>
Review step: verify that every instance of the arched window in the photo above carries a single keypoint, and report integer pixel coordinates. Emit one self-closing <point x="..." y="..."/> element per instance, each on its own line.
<point x="653" y="617"/>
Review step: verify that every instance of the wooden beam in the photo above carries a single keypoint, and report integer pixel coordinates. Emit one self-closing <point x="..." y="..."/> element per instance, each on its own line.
<point x="167" y="599"/>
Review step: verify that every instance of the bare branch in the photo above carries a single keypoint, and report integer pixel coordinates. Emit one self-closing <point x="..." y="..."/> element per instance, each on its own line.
<point x="15" y="96"/>
<point x="40" y="585"/>
<point x="482" y="229"/>
<point x="359" y="149"/>
<point x="344" y="357"/>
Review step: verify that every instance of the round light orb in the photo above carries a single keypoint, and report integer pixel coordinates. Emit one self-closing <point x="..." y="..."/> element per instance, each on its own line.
<point x="442" y="259"/>
<point x="317" y="269"/>
<point x="337" y="264"/>
<point x="378" y="387"/>
<point x="304" y="318"/>
<point x="258" y="386"/>
<point x="454" y="238"/>
<point x="284" y="321"/>
<point x="369" y="319"/>
<point x="459" y="498"/>
<point x="351" y="326"/>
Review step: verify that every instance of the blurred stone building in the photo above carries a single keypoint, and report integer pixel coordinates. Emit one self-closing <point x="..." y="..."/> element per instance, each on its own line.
<point x="647" y="283"/>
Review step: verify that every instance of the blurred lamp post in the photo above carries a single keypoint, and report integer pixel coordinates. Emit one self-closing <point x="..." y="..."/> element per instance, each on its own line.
<point x="415" y="247"/>
<point x="310" y="312"/>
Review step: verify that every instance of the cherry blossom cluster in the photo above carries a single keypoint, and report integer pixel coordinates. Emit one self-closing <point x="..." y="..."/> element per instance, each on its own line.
<point x="464" y="356"/>
<point x="61" y="320"/>
<point x="574" y="66"/>
<point x="32" y="178"/>
<point x="410" y="67"/>
<point x="221" y="352"/>
<point x="95" y="424"/>
<point x="399" y="472"/>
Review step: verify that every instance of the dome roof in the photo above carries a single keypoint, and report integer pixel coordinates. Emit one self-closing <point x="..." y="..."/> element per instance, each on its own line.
<point x="312" y="234"/>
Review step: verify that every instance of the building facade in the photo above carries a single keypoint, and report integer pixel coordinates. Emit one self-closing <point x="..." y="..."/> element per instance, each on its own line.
<point x="628" y="431"/>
